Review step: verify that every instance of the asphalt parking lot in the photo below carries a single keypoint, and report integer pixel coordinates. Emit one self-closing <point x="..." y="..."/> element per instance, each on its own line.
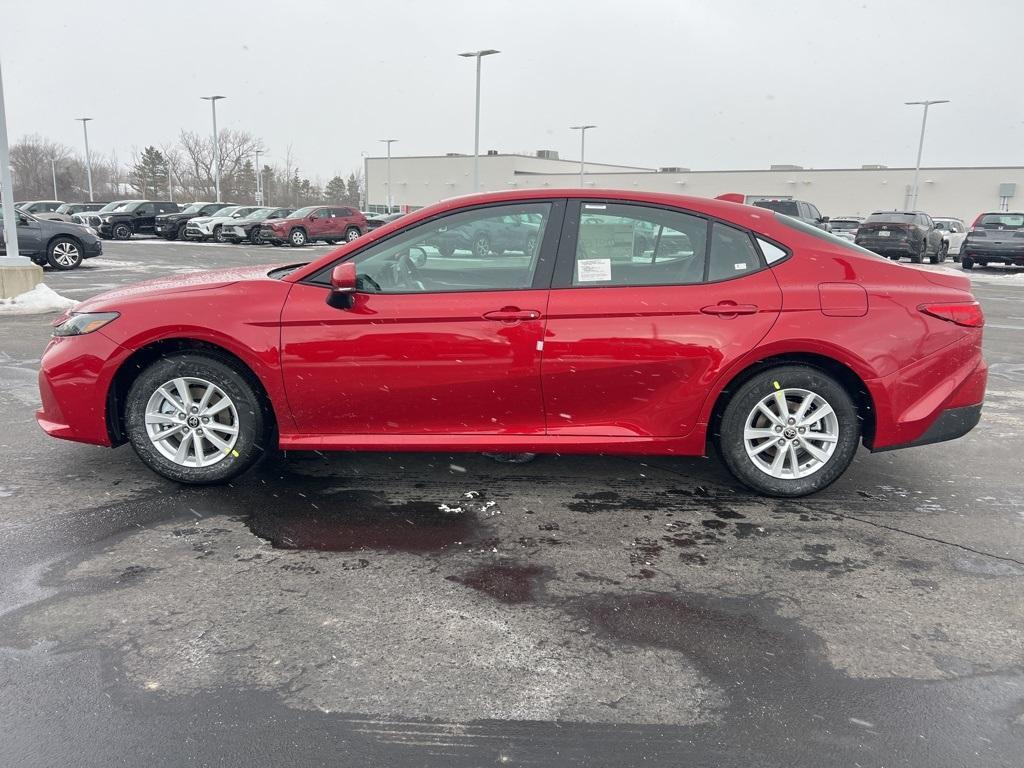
<point x="393" y="610"/>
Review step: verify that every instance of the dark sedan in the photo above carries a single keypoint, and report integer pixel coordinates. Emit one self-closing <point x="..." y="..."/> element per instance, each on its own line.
<point x="54" y="243"/>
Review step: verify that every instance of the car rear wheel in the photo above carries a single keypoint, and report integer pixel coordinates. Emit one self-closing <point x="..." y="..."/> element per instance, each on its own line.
<point x="940" y="255"/>
<point x="122" y="231"/>
<point x="297" y="238"/>
<point x="967" y="262"/>
<point x="195" y="419"/>
<point x="351" y="234"/>
<point x="64" y="253"/>
<point x="789" y="431"/>
<point x="218" y="234"/>
<point x="255" y="237"/>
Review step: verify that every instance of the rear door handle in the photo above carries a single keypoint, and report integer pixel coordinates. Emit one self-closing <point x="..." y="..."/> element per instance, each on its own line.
<point x="729" y="309"/>
<point x="512" y="314"/>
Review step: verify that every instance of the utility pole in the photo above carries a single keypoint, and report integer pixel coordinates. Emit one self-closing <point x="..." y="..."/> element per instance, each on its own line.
<point x="920" y="145"/>
<point x="216" y="143"/>
<point x="53" y="172"/>
<point x="583" y="146"/>
<point x="476" y="124"/>
<point x="88" y="158"/>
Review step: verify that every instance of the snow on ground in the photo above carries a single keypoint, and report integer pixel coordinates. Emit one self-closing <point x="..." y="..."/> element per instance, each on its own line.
<point x="40" y="299"/>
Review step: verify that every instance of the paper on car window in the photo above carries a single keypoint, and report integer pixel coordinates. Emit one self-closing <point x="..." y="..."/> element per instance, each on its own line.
<point x="593" y="270"/>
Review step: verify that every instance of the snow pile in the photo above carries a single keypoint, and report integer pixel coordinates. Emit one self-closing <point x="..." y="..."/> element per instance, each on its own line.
<point x="40" y="299"/>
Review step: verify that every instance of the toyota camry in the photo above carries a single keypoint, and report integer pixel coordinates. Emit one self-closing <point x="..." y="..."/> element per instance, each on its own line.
<point x="626" y="322"/>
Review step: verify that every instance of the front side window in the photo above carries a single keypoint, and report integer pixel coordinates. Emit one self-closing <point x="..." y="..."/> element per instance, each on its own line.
<point x="475" y="250"/>
<point x="620" y="245"/>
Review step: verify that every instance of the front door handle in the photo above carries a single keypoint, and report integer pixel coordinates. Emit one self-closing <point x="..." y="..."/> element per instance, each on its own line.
<point x="729" y="309"/>
<point x="512" y="314"/>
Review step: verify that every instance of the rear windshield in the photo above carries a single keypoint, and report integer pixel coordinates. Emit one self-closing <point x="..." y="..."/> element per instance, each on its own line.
<point x="1001" y="221"/>
<point x="892" y="218"/>
<point x="787" y="207"/>
<point x="844" y="224"/>
<point x="828" y="237"/>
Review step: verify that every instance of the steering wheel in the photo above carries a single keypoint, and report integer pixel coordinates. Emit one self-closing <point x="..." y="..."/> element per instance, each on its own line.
<point x="406" y="274"/>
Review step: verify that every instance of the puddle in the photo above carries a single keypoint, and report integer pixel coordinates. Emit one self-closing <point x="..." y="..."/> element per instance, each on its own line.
<point x="348" y="520"/>
<point x="506" y="582"/>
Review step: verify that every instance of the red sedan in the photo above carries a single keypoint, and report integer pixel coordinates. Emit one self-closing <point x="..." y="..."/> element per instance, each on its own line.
<point x="622" y="322"/>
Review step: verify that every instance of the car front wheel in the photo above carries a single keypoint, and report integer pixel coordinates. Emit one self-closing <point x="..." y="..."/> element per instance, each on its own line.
<point x="64" y="253"/>
<point x="195" y="419"/>
<point x="789" y="431"/>
<point x="297" y="238"/>
<point x="122" y="232"/>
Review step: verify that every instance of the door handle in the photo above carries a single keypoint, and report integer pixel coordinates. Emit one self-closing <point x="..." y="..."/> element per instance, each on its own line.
<point x="729" y="310"/>
<point x="512" y="314"/>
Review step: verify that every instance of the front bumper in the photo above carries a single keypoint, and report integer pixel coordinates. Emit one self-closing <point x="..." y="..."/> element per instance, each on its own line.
<point x="272" y="235"/>
<point x="92" y="249"/>
<point x="196" y="232"/>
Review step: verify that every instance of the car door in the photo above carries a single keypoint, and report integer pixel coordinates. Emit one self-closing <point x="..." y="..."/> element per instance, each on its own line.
<point x="429" y="345"/>
<point x="636" y="336"/>
<point x="30" y="237"/>
<point x="145" y="218"/>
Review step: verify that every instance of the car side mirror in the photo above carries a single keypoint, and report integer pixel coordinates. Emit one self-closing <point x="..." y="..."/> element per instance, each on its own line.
<point x="343" y="285"/>
<point x="824" y="219"/>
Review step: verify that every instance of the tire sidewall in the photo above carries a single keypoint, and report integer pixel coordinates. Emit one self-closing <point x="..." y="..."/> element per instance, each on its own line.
<point x="297" y="233"/>
<point x="252" y="436"/>
<point x="122" y="232"/>
<point x="54" y="263"/>
<point x="730" y="443"/>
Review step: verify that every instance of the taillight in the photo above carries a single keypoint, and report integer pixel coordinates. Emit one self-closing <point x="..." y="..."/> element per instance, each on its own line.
<point x="967" y="313"/>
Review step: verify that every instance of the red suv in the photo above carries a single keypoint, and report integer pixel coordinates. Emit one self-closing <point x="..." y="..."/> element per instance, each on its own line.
<point x="329" y="223"/>
<point x="781" y="346"/>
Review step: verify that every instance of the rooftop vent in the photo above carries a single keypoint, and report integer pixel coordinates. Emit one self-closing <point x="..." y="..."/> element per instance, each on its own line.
<point x="492" y="153"/>
<point x="873" y="167"/>
<point x="454" y="154"/>
<point x="786" y="167"/>
<point x="547" y="154"/>
<point x="673" y="169"/>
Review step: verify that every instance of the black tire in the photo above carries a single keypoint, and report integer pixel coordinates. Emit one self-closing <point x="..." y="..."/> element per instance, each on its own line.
<point x="916" y="259"/>
<point x="218" y="234"/>
<point x="297" y="237"/>
<point x="730" y="438"/>
<point x="446" y="250"/>
<point x="254" y="237"/>
<point x="966" y="262"/>
<point x="352" y="233"/>
<point x="64" y="253"/>
<point x="122" y="231"/>
<point x="940" y="257"/>
<point x="253" y="425"/>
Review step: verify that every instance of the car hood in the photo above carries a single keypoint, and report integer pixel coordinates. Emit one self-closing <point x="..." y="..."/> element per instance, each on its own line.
<point x="191" y="281"/>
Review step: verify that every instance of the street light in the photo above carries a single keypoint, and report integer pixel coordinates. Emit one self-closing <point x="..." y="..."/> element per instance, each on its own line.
<point x="53" y="172"/>
<point x="476" y="130"/>
<point x="88" y="159"/>
<point x="920" y="146"/>
<point x="13" y="257"/>
<point x="388" y="200"/>
<point x="216" y="144"/>
<point x="259" y="179"/>
<point x="583" y="144"/>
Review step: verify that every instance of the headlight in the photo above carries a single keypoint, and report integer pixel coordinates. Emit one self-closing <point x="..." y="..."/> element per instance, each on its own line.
<point x="105" y="219"/>
<point x="79" y="325"/>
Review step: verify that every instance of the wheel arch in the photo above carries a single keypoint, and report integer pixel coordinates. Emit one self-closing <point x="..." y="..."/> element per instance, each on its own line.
<point x="140" y="359"/>
<point x="850" y="380"/>
<point x="64" y="236"/>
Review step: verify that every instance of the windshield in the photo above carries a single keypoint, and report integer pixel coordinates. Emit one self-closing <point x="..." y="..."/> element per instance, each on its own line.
<point x="226" y="211"/>
<point x="304" y="211"/>
<point x="891" y="217"/>
<point x="116" y="205"/>
<point x="63" y="209"/>
<point x="1001" y="221"/>
<point x="788" y="207"/>
<point x="261" y="213"/>
<point x="844" y="224"/>
<point x="194" y="208"/>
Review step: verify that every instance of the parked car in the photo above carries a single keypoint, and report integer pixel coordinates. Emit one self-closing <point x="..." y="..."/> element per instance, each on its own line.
<point x="39" y="208"/>
<point x="845" y="227"/>
<point x="172" y="225"/>
<point x="248" y="228"/>
<point x="903" y="234"/>
<point x="212" y="227"/>
<point x="378" y="220"/>
<point x="329" y="223"/>
<point x="953" y="232"/>
<point x="797" y="209"/>
<point x="995" y="238"/>
<point x="68" y="210"/>
<point x="57" y="244"/>
<point x="689" y="350"/>
<point x="92" y="218"/>
<point x="513" y="232"/>
<point x="137" y="217"/>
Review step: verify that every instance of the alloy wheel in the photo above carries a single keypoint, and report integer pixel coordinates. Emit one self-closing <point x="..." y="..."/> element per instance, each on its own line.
<point x="192" y="422"/>
<point x="66" y="254"/>
<point x="791" y="433"/>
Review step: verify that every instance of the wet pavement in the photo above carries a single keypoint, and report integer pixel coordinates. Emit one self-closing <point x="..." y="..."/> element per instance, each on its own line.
<point x="451" y="610"/>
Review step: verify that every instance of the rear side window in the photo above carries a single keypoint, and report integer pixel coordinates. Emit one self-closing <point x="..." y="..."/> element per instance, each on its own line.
<point x="619" y="245"/>
<point x="1001" y="221"/>
<point x="732" y="253"/>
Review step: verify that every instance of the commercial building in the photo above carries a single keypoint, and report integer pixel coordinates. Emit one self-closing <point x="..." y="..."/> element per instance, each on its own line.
<point x="945" y="191"/>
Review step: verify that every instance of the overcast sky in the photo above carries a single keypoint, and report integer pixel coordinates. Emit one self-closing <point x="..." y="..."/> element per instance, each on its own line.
<point x="706" y="84"/>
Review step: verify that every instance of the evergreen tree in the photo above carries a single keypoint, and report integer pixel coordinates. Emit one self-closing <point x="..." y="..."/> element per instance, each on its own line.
<point x="352" y="190"/>
<point x="336" y="191"/>
<point x="148" y="174"/>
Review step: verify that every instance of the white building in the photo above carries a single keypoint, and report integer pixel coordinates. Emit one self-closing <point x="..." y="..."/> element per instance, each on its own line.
<point x="954" y="191"/>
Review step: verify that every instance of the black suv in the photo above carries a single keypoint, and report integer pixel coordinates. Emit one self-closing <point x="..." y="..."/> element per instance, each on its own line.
<point x="796" y="209"/>
<point x="133" y="218"/>
<point x="895" y="234"/>
<point x="996" y="237"/>
<point x="172" y="225"/>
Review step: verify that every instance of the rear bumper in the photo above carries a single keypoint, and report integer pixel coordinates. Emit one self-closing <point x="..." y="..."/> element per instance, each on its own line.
<point x="936" y="398"/>
<point x="983" y="253"/>
<point x="890" y="247"/>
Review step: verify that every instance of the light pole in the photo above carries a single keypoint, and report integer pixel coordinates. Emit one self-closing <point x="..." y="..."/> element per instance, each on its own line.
<point x="583" y="145"/>
<point x="7" y="193"/>
<point x="88" y="158"/>
<point x="476" y="125"/>
<point x="920" y="145"/>
<point x="259" y="179"/>
<point x="170" y="179"/>
<point x="387" y="200"/>
<point x="216" y="144"/>
<point x="53" y="172"/>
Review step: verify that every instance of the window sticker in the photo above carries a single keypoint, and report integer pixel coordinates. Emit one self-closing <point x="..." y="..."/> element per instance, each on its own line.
<point x="594" y="207"/>
<point x="593" y="270"/>
<point x="739" y="267"/>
